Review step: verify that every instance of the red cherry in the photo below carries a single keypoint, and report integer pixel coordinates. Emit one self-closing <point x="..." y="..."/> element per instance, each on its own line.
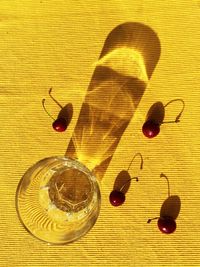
<point x="151" y="128"/>
<point x="166" y="225"/>
<point x="60" y="125"/>
<point x="117" y="198"/>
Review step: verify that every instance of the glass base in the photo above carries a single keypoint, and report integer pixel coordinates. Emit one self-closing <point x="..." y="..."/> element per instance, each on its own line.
<point x="58" y="200"/>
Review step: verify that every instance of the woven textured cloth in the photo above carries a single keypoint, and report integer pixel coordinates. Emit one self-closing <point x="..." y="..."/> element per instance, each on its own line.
<point x="57" y="44"/>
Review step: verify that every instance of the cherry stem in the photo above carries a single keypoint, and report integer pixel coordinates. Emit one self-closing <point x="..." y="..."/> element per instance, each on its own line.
<point x="149" y="220"/>
<point x="179" y="115"/>
<point x="164" y="176"/>
<point x="176" y="121"/>
<point x="141" y="165"/>
<point x="43" y="100"/>
<point x="136" y="178"/>
<point x="50" y="90"/>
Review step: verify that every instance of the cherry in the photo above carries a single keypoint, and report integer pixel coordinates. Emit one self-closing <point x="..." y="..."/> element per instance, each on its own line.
<point x="151" y="127"/>
<point x="166" y="224"/>
<point x="118" y="197"/>
<point x="60" y="124"/>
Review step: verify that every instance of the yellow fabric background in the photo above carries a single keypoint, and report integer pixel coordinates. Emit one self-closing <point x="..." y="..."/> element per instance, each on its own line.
<point x="55" y="44"/>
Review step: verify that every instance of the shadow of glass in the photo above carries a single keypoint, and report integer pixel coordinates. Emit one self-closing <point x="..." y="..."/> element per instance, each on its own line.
<point x="156" y="113"/>
<point x="139" y="37"/>
<point x="171" y="207"/>
<point x="128" y="58"/>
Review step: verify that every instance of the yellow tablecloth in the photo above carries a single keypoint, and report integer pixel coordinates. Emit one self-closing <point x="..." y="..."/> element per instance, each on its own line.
<point x="55" y="44"/>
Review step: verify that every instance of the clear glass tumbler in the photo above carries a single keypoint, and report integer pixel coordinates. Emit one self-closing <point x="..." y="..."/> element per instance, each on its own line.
<point x="58" y="200"/>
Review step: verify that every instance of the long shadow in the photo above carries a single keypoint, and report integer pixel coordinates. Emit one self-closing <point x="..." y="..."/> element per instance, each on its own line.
<point x="156" y="113"/>
<point x="122" y="181"/>
<point x="128" y="58"/>
<point x="171" y="207"/>
<point x="66" y="112"/>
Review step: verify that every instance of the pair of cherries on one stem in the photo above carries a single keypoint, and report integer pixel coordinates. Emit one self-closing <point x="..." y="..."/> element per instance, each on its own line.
<point x="151" y="127"/>
<point x="61" y="123"/>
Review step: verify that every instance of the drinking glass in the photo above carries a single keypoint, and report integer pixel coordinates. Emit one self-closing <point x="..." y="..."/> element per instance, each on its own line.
<point x="58" y="200"/>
